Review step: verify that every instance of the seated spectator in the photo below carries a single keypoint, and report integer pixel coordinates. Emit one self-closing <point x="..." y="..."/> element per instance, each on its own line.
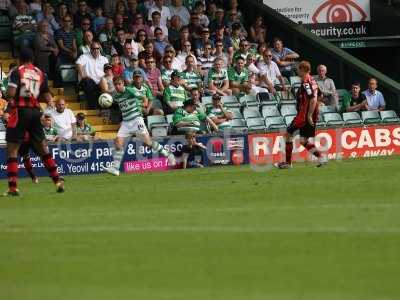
<point x="174" y="94"/>
<point x="3" y="105"/>
<point x="203" y="41"/>
<point x="177" y="9"/>
<point x="165" y="14"/>
<point x="219" y="114"/>
<point x="258" y="31"/>
<point x="107" y="36"/>
<point x="193" y="153"/>
<point x="174" y="30"/>
<point x="128" y="72"/>
<point x="79" y="30"/>
<point x="99" y="21"/>
<point x="219" y="52"/>
<point x="106" y="83"/>
<point x="82" y="13"/>
<point x="218" y="81"/>
<point x="121" y="13"/>
<point x="127" y="55"/>
<point x="141" y="37"/>
<point x="138" y="24"/>
<point x="227" y="46"/>
<point x="156" y="23"/>
<point x="200" y="9"/>
<point x="206" y="61"/>
<point x="50" y="132"/>
<point x="166" y="70"/>
<point x="195" y="95"/>
<point x="121" y="22"/>
<point x="45" y="50"/>
<point x="117" y="67"/>
<point x="285" y="58"/>
<point x="354" y="101"/>
<point x="327" y="87"/>
<point x="24" y="26"/>
<point x="239" y="78"/>
<point x="375" y="99"/>
<point x="47" y="15"/>
<point x="191" y="77"/>
<point x="50" y="104"/>
<point x="84" y="132"/>
<point x="195" y="27"/>
<point x="234" y="19"/>
<point x="64" y="121"/>
<point x="160" y="43"/>
<point x="185" y="52"/>
<point x="87" y="42"/>
<point x="236" y="37"/>
<point x="62" y="11"/>
<point x="187" y="119"/>
<point x="170" y="51"/>
<point x="270" y="73"/>
<point x="66" y="42"/>
<point x="119" y="46"/>
<point x="255" y="86"/>
<point x="218" y="21"/>
<point x="251" y="64"/>
<point x="154" y="76"/>
<point x="90" y="69"/>
<point x="184" y="36"/>
<point x="244" y="50"/>
<point x="148" y="52"/>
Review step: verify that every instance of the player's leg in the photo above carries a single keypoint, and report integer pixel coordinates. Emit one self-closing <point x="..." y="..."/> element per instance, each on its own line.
<point x="287" y="164"/>
<point x="307" y="133"/>
<point x="24" y="153"/>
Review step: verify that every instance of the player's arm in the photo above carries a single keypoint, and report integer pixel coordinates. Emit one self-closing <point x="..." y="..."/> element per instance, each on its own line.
<point x="12" y="86"/>
<point x="313" y="100"/>
<point x="185" y="157"/>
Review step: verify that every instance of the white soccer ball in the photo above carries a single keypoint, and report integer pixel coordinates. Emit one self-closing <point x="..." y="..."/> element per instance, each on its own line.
<point x="105" y="100"/>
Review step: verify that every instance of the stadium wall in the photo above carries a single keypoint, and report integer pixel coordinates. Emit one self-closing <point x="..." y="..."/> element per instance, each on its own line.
<point x="258" y="150"/>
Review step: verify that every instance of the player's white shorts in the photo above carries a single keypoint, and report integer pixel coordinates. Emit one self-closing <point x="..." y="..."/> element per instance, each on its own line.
<point x="133" y="127"/>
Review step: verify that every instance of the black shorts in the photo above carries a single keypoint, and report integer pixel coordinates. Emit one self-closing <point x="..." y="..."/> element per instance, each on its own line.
<point x="24" y="120"/>
<point x="25" y="147"/>
<point x="307" y="131"/>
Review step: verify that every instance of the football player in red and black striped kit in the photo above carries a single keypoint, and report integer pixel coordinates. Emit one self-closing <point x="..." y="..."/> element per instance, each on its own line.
<point x="26" y="84"/>
<point x="306" y="118"/>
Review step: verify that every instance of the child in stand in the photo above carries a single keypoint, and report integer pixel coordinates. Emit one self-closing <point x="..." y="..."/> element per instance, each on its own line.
<point x="117" y="67"/>
<point x="193" y="152"/>
<point x="83" y="130"/>
<point x="49" y="131"/>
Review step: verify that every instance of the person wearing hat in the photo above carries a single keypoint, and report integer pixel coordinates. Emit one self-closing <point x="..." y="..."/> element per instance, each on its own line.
<point x="188" y="119"/>
<point x="203" y="41"/>
<point x="174" y="94"/>
<point x="128" y="72"/>
<point x="219" y="114"/>
<point x="106" y="83"/>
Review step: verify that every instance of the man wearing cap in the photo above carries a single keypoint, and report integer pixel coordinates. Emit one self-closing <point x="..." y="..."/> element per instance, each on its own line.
<point x="188" y="119"/>
<point x="174" y="94"/>
<point x="203" y="41"/>
<point x="106" y="83"/>
<point x="219" y="114"/>
<point x="128" y="72"/>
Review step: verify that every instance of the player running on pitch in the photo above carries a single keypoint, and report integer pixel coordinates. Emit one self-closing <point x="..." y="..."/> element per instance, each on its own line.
<point x="306" y="118"/>
<point x="132" y="124"/>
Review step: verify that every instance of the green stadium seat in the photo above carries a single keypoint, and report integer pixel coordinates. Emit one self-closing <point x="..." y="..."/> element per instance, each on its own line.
<point x="249" y="101"/>
<point x="389" y="116"/>
<point x="236" y="113"/>
<point x="288" y="110"/>
<point x="157" y="125"/>
<point x="170" y="118"/>
<point x="255" y="124"/>
<point x="352" y="118"/>
<point x="251" y="113"/>
<point x="266" y="99"/>
<point x="274" y="123"/>
<point x="68" y="73"/>
<point x="206" y="101"/>
<point x="286" y="97"/>
<point x="289" y="119"/>
<point x="230" y="101"/>
<point x="278" y="84"/>
<point x="323" y="109"/>
<point x="270" y="111"/>
<point x="333" y="119"/>
<point x="5" y="28"/>
<point x="371" y="117"/>
<point x="239" y="125"/>
<point x="295" y="81"/>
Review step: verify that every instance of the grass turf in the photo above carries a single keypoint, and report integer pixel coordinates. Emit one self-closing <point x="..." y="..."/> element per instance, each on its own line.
<point x="216" y="233"/>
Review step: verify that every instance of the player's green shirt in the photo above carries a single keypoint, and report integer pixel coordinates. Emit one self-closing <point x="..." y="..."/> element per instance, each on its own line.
<point x="240" y="78"/>
<point x="143" y="91"/>
<point x="50" y="133"/>
<point x="166" y="75"/>
<point x="128" y="105"/>
<point x="218" y="78"/>
<point x="213" y="112"/>
<point x="192" y="79"/>
<point x="193" y="118"/>
<point x="175" y="95"/>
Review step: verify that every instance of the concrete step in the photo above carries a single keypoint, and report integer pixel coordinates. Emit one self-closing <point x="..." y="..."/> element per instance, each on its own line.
<point x="87" y="112"/>
<point x="107" y="135"/>
<point x="113" y="127"/>
<point x="94" y="120"/>
<point x="67" y="98"/>
<point x="6" y="55"/>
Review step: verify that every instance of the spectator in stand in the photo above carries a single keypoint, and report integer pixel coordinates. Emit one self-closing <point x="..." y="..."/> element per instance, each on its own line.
<point x="45" y="50"/>
<point x="154" y="76"/>
<point x="87" y="42"/>
<point x="50" y="132"/>
<point x="375" y="99"/>
<point x="109" y="7"/>
<point x="117" y="67"/>
<point x="200" y="43"/>
<point x="47" y="15"/>
<point x="256" y="87"/>
<point x="160" y="43"/>
<point x="234" y="19"/>
<point x="186" y="51"/>
<point x="195" y="27"/>
<point x="128" y="72"/>
<point x="327" y="87"/>
<point x="84" y="131"/>
<point x="184" y="36"/>
<point x="191" y="77"/>
<point x="3" y="106"/>
<point x="156" y="23"/>
<point x="270" y="73"/>
<point x="220" y="53"/>
<point x="239" y="78"/>
<point x="193" y="153"/>
<point x="219" y="114"/>
<point x="236" y="36"/>
<point x="132" y="11"/>
<point x="211" y="10"/>
<point x="85" y="25"/>
<point x="244" y="50"/>
<point x="50" y="104"/>
<point x="24" y="26"/>
<point x="218" y="81"/>
<point x="219" y="20"/>
<point x="35" y="7"/>
<point x="206" y="61"/>
<point x="170" y="51"/>
<point x="195" y="95"/>
<point x="64" y="121"/>
<point x="119" y="22"/>
<point x="174" y="94"/>
<point x="200" y="9"/>
<point x="174" y="30"/>
<point x="82" y="13"/>
<point x="127" y="55"/>
<point x="226" y="41"/>
<point x="166" y="70"/>
<point x="138" y="24"/>
<point x="354" y="101"/>
<point x="251" y="64"/>
<point x="62" y="12"/>
<point x="66" y="42"/>
<point x="258" y="31"/>
<point x="90" y="69"/>
<point x="107" y="36"/>
<point x="177" y="9"/>
<point x="147" y="52"/>
<point x="120" y="44"/>
<point x="106" y="83"/>
<point x="141" y="37"/>
<point x="165" y="14"/>
<point x="121" y="11"/>
<point x="285" y="58"/>
<point x="99" y="21"/>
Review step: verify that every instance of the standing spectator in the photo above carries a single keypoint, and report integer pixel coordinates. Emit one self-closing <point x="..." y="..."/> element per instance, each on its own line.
<point x="285" y="58"/>
<point x="66" y="42"/>
<point x="174" y="30"/>
<point x="106" y="83"/>
<point x="24" y="26"/>
<point x="258" y="31"/>
<point x="64" y="121"/>
<point x="47" y="15"/>
<point x="218" y="81"/>
<point x="193" y="153"/>
<point x="239" y="77"/>
<point x="107" y="36"/>
<point x="99" y="21"/>
<point x="375" y="99"/>
<point x="84" y="131"/>
<point x="327" y="87"/>
<point x="174" y="94"/>
<point x="355" y="101"/>
<point x="164" y="11"/>
<point x="177" y="9"/>
<point x="191" y="77"/>
<point x="82" y="13"/>
<point x="269" y="72"/>
<point x="156" y="23"/>
<point x="45" y="49"/>
<point x="154" y="76"/>
<point x="50" y="132"/>
<point x="219" y="114"/>
<point x="90" y="69"/>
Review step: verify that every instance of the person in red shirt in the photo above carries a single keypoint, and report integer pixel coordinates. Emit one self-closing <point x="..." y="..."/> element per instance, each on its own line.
<point x="117" y="66"/>
<point x="26" y="84"/>
<point x="306" y="118"/>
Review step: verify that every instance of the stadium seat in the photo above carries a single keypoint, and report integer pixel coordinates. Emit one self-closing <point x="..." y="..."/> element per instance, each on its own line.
<point x="270" y="111"/>
<point x="320" y="122"/>
<point x="157" y="125"/>
<point x="255" y="124"/>
<point x="239" y="125"/>
<point x="289" y="119"/>
<point x="389" y="116"/>
<point x="278" y="84"/>
<point x="370" y="117"/>
<point x="206" y="101"/>
<point x="274" y="123"/>
<point x="249" y="101"/>
<point x="323" y="109"/>
<point x="295" y="81"/>
<point x="341" y="93"/>
<point x="68" y="73"/>
<point x="251" y="113"/>
<point x="236" y="113"/>
<point x="170" y="118"/>
<point x="288" y="110"/>
<point x="285" y="97"/>
<point x="352" y="118"/>
<point x="230" y="101"/>
<point x="266" y="99"/>
<point x="333" y="119"/>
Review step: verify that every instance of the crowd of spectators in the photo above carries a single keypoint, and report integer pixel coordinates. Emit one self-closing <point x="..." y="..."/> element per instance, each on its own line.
<point x="171" y="52"/>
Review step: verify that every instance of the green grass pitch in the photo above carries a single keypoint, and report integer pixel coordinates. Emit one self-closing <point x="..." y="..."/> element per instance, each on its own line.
<point x="210" y="234"/>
